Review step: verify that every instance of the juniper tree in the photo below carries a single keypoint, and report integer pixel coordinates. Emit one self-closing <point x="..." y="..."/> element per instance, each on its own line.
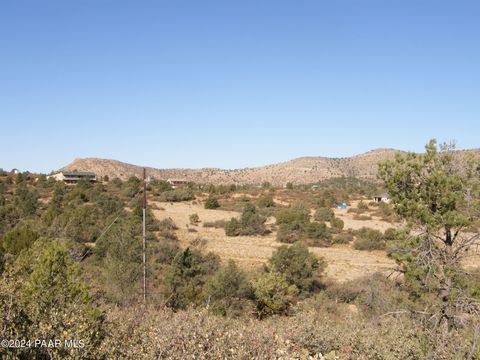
<point x="438" y="193"/>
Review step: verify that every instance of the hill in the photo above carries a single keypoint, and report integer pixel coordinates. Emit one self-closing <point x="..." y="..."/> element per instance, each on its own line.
<point x="302" y="170"/>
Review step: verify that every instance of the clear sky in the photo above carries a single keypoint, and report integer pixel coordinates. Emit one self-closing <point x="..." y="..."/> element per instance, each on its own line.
<point x="233" y="83"/>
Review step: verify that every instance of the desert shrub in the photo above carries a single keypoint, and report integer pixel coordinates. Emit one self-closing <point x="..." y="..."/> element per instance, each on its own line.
<point x="291" y="224"/>
<point x="161" y="186"/>
<point x="212" y="202"/>
<point x="116" y="182"/>
<point x="18" y="239"/>
<point x="385" y="212"/>
<point x="337" y="224"/>
<point x="41" y="291"/>
<point x="318" y="233"/>
<point x="166" y="228"/>
<point x="131" y="187"/>
<point x="266" y="185"/>
<point x="121" y="264"/>
<point x="343" y="238"/>
<point x="194" y="219"/>
<point x="177" y="195"/>
<point x="390" y="234"/>
<point x="81" y="223"/>
<point x="369" y="239"/>
<point x="324" y="214"/>
<point x="265" y="201"/>
<point x="300" y="267"/>
<point x="232" y="227"/>
<point x="362" y="205"/>
<point x="287" y="235"/>
<point x="9" y="217"/>
<point x="292" y="217"/>
<point x="374" y="294"/>
<point x="273" y="294"/>
<point x="289" y="186"/>
<point x="362" y="217"/>
<point x="217" y="224"/>
<point x="227" y="290"/>
<point x="164" y="251"/>
<point x="25" y="201"/>
<point x="167" y="224"/>
<point x="186" y="276"/>
<point x="250" y="223"/>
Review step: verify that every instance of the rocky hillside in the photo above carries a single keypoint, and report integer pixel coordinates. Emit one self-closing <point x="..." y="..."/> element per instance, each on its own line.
<point x="297" y="171"/>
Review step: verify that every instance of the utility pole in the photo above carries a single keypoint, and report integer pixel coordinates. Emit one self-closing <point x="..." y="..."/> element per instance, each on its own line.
<point x="144" y="237"/>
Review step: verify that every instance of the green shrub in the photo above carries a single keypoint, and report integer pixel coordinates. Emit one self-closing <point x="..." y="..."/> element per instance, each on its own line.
<point x="232" y="227"/>
<point x="324" y="214"/>
<point x="300" y="267"/>
<point x="25" y="200"/>
<point x="343" y="238"/>
<point x="369" y="239"/>
<point x="362" y="205"/>
<point x="337" y="224"/>
<point x="273" y="294"/>
<point x="177" y="195"/>
<point x="227" y="290"/>
<point x="250" y="223"/>
<point x="266" y="201"/>
<point x="285" y="234"/>
<point x="362" y="217"/>
<point x="131" y="187"/>
<point x="292" y="216"/>
<point x="161" y="186"/>
<point x="212" y="202"/>
<point x="194" y="219"/>
<point x="166" y="228"/>
<point x="186" y="276"/>
<point x="317" y="231"/>
<point x="289" y="186"/>
<point x="18" y="239"/>
<point x="217" y="224"/>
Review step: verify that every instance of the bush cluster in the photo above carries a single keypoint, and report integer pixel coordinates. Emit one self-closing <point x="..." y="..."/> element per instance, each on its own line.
<point x="369" y="239"/>
<point x="251" y="222"/>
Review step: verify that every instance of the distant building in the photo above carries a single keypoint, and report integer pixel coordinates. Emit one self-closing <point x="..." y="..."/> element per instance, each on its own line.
<point x="177" y="182"/>
<point x="74" y="177"/>
<point x="384" y="197"/>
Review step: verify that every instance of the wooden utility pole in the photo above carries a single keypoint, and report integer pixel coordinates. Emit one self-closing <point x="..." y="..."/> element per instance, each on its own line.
<point x="144" y="237"/>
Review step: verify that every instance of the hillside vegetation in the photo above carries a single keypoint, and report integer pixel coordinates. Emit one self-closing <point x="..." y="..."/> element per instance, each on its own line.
<point x="246" y="273"/>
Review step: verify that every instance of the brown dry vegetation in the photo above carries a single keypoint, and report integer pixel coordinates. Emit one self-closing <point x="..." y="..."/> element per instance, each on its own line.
<point x="250" y="252"/>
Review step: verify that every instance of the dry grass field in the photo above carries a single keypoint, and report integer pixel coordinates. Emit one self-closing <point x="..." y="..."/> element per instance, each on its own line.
<point x="344" y="262"/>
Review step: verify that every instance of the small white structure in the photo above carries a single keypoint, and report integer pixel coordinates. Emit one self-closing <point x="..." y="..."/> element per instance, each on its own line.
<point x="177" y="182"/>
<point x="15" y="171"/>
<point x="74" y="177"/>
<point x="383" y="197"/>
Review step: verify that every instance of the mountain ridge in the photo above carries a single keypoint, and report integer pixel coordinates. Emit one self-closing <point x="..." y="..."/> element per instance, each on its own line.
<point x="301" y="170"/>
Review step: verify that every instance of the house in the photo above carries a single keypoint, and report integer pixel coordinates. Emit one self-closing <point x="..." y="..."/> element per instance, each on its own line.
<point x="74" y="177"/>
<point x="177" y="182"/>
<point x="383" y="197"/>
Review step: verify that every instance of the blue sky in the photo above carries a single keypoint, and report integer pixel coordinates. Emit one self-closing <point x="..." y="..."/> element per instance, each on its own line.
<point x="233" y="83"/>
